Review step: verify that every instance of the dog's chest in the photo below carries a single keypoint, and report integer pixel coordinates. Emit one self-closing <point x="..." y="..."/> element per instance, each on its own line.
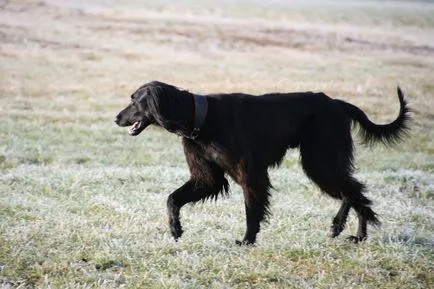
<point x="217" y="155"/>
<point x="214" y="154"/>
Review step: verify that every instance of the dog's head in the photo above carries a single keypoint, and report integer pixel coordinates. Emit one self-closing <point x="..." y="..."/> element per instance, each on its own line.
<point x="156" y="103"/>
<point x="137" y="114"/>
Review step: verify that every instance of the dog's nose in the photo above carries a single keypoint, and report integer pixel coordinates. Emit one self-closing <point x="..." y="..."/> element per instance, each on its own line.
<point x="117" y="119"/>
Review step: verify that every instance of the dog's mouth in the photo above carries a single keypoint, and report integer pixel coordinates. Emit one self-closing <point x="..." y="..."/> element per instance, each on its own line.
<point x="136" y="128"/>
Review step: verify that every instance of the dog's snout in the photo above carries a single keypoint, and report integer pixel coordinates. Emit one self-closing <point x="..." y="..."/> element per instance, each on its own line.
<point x="117" y="119"/>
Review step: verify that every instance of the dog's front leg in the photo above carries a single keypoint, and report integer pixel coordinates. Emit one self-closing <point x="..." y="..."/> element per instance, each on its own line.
<point x="174" y="203"/>
<point x="192" y="191"/>
<point x="256" y="200"/>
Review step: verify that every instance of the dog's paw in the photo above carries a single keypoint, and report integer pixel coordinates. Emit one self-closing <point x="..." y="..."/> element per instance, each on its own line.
<point x="244" y="243"/>
<point x="176" y="230"/>
<point x="337" y="230"/>
<point x="356" y="239"/>
<point x="176" y="233"/>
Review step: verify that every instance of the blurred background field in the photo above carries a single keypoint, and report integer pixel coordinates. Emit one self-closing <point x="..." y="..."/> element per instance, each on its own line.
<point x="82" y="204"/>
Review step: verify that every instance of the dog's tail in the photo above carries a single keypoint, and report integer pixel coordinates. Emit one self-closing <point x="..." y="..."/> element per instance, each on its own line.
<point x="386" y="133"/>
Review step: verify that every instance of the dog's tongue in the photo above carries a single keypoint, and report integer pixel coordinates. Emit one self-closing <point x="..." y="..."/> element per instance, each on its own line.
<point x="133" y="127"/>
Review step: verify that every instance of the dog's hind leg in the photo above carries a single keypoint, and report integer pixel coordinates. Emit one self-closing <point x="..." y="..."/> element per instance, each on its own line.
<point x="209" y="184"/>
<point x="352" y="190"/>
<point x="365" y="214"/>
<point x="327" y="158"/>
<point x="325" y="161"/>
<point x="340" y="220"/>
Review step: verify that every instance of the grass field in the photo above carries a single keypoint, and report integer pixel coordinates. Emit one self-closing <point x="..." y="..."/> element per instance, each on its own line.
<point x="82" y="204"/>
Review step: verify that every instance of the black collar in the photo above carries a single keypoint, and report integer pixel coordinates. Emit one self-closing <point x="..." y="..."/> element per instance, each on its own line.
<point x="200" y="112"/>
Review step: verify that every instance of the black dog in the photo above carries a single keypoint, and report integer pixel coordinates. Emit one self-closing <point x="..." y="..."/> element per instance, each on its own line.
<point x="242" y="136"/>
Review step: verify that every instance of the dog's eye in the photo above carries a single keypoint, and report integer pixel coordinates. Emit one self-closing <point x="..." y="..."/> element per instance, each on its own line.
<point x="135" y="104"/>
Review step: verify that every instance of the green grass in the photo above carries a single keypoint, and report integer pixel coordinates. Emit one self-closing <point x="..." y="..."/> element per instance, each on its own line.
<point x="82" y="204"/>
<point x="103" y="224"/>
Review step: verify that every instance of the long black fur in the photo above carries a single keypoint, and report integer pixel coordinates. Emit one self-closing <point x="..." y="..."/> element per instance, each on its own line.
<point x="244" y="135"/>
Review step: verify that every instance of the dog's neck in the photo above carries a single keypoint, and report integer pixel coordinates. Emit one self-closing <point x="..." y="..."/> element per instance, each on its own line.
<point x="200" y="112"/>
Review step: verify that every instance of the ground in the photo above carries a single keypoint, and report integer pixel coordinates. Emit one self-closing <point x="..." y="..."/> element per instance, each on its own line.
<point x="82" y="204"/>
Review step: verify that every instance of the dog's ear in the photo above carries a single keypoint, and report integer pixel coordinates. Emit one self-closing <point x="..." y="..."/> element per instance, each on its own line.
<point x="153" y="103"/>
<point x="172" y="109"/>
